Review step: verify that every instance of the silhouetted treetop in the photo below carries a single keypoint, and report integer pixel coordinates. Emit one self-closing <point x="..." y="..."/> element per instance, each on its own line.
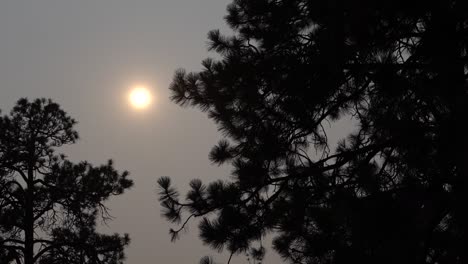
<point x="48" y="205"/>
<point x="390" y="192"/>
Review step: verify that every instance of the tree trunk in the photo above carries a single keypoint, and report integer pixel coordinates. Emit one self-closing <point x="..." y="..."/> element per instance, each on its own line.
<point x="451" y="68"/>
<point x="29" y="215"/>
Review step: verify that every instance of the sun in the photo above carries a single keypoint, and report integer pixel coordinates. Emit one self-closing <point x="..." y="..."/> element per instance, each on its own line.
<point x="140" y="97"/>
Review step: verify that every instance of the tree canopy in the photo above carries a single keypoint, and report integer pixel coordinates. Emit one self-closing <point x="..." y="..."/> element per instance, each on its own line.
<point x="49" y="205"/>
<point x="394" y="190"/>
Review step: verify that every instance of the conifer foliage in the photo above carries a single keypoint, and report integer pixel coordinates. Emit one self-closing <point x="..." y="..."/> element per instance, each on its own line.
<point x="392" y="191"/>
<point x="49" y="206"/>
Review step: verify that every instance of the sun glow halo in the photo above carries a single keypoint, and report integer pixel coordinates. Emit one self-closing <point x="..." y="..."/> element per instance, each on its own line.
<point x="140" y="97"/>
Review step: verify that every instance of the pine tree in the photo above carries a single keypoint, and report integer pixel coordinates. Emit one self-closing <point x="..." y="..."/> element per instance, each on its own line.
<point x="48" y="205"/>
<point x="392" y="191"/>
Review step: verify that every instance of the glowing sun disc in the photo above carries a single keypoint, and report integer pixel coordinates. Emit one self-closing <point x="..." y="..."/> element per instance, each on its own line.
<point x="140" y="98"/>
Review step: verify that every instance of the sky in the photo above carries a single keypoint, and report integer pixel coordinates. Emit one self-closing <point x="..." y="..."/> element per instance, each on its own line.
<point x="86" y="55"/>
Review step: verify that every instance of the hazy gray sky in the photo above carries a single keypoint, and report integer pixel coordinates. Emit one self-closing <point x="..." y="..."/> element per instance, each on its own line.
<point x="85" y="55"/>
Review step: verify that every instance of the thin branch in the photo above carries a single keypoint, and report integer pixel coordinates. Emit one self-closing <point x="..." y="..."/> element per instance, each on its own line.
<point x="230" y="257"/>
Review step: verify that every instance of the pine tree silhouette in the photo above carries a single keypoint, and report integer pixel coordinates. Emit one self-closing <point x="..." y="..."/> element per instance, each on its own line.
<point x="393" y="191"/>
<point x="48" y="205"/>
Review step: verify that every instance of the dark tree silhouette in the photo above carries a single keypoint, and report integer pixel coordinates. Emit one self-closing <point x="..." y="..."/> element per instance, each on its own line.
<point x="394" y="190"/>
<point x="48" y="205"/>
